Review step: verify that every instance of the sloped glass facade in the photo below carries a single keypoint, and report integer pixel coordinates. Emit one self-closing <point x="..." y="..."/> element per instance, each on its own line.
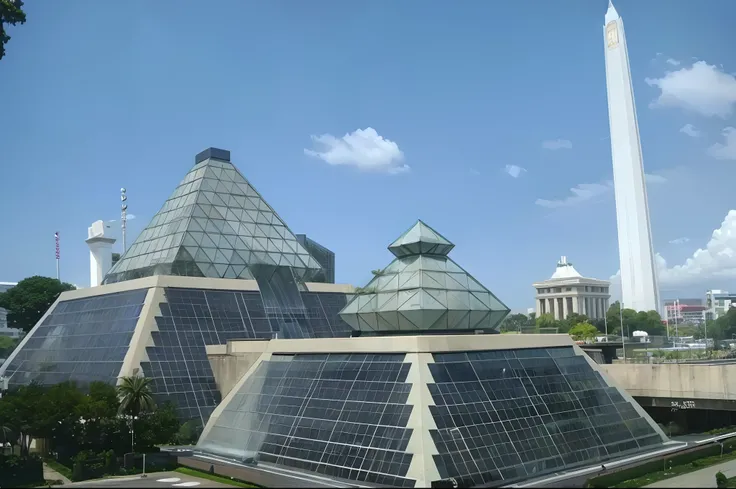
<point x="423" y="289"/>
<point x="341" y="415"/>
<point x="190" y="319"/>
<point x="215" y="224"/>
<point x="83" y="340"/>
<point x="509" y="415"/>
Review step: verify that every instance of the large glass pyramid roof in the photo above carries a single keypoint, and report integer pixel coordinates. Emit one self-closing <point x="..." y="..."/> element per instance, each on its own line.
<point x="215" y="224"/>
<point x="423" y="289"/>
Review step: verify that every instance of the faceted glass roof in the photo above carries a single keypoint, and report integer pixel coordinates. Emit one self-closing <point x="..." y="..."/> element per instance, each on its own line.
<point x="423" y="289"/>
<point x="420" y="238"/>
<point x="215" y="224"/>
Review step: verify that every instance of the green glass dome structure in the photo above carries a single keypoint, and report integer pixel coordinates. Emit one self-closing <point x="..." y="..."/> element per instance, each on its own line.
<point x="423" y="289"/>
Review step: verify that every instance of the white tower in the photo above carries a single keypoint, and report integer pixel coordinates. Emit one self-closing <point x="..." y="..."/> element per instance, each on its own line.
<point x="100" y="252"/>
<point x="638" y="274"/>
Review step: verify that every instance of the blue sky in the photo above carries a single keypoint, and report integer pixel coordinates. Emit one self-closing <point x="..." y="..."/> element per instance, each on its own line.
<point x="101" y="95"/>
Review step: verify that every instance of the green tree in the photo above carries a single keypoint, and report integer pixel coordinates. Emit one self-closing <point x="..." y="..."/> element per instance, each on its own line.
<point x="547" y="321"/>
<point x="189" y="432"/>
<point x="158" y="427"/>
<point x="514" y="322"/>
<point x="574" y="318"/>
<point x="135" y="395"/>
<point x="11" y="13"/>
<point x="28" y="301"/>
<point x="7" y="345"/>
<point x="583" y="331"/>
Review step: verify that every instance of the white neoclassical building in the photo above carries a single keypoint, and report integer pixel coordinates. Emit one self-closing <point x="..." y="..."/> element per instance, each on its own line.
<point x="567" y="291"/>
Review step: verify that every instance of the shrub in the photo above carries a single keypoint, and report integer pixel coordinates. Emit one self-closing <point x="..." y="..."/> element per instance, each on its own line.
<point x="721" y="479"/>
<point x="18" y="471"/>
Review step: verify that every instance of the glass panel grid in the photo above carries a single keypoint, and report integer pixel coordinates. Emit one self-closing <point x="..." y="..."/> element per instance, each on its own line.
<point x="341" y="415"/>
<point x="82" y="340"/>
<point x="190" y="319"/>
<point x="516" y="414"/>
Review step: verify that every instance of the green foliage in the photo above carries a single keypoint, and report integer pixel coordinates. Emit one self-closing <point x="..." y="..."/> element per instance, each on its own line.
<point x="11" y="13"/>
<point x="648" y="321"/>
<point x="516" y="322"/>
<point x="721" y="479"/>
<point x="18" y="471"/>
<point x="546" y="321"/>
<point x="156" y="428"/>
<point x="75" y="420"/>
<point x="189" y="432"/>
<point x="135" y="395"/>
<point x="28" y="301"/>
<point x="583" y="331"/>
<point x="7" y="345"/>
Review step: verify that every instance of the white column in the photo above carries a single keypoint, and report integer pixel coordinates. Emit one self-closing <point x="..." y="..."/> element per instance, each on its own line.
<point x="565" y="312"/>
<point x="575" y="304"/>
<point x="539" y="307"/>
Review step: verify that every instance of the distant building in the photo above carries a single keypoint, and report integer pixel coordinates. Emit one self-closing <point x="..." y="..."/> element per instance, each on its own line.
<point x="4" y="330"/>
<point x="718" y="302"/>
<point x="690" y="311"/>
<point x="324" y="257"/>
<point x="566" y="291"/>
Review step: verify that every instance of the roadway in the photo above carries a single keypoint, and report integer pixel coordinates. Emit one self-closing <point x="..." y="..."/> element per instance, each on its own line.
<point x="162" y="480"/>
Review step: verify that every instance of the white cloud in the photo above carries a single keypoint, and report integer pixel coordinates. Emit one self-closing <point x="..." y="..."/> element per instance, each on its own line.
<point x="672" y="62"/>
<point x="588" y="191"/>
<point x="702" y="88"/>
<point x="727" y="149"/>
<point x="473" y="171"/>
<point x="130" y="217"/>
<point x="653" y="178"/>
<point x="580" y="193"/>
<point x="555" y="144"/>
<point x="514" y="170"/>
<point x="690" y="130"/>
<point x="679" y="241"/>
<point x="364" y="149"/>
<point x="716" y="261"/>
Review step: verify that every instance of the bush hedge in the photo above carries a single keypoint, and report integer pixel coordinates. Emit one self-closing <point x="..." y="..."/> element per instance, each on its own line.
<point x="18" y="471"/>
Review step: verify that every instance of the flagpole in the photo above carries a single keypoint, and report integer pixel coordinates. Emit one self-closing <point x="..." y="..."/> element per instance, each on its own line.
<point x="58" y="255"/>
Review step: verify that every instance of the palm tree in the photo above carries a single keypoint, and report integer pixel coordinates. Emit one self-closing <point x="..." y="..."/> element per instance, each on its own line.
<point x="135" y="395"/>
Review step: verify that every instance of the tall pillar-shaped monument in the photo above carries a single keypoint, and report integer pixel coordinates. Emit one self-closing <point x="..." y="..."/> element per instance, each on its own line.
<point x="638" y="273"/>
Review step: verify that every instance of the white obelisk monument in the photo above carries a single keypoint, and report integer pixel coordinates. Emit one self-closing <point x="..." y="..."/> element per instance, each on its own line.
<point x="639" y="288"/>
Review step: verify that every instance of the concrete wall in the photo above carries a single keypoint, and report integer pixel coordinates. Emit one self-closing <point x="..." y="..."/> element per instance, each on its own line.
<point x="675" y="380"/>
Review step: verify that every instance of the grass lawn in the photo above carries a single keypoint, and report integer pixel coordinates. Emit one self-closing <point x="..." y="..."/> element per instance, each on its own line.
<point x="677" y="470"/>
<point x="214" y="478"/>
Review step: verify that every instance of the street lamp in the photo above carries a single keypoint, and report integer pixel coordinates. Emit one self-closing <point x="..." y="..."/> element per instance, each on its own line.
<point x="130" y="420"/>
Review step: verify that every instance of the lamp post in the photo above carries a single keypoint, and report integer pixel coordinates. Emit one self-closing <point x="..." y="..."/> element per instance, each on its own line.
<point x="130" y="420"/>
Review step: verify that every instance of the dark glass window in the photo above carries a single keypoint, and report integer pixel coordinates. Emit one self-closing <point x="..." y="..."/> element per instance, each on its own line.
<point x="193" y="318"/>
<point x="83" y="340"/>
<point x="515" y="414"/>
<point x="341" y="415"/>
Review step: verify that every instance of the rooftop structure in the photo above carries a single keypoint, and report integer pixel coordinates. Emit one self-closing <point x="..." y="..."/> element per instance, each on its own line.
<point x="423" y="289"/>
<point x="215" y="263"/>
<point x="419" y="411"/>
<point x="216" y="225"/>
<point x="567" y="291"/>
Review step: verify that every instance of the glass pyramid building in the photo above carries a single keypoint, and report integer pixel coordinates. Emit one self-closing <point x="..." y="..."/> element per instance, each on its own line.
<point x="216" y="225"/>
<point x="423" y="289"/>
